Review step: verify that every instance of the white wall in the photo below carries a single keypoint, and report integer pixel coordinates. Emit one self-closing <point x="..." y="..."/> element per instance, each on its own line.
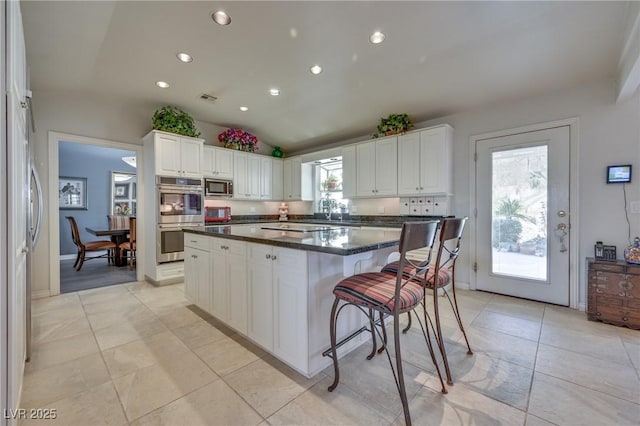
<point x="609" y="134"/>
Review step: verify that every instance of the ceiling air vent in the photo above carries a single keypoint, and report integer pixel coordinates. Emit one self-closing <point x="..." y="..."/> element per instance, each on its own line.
<point x="208" y="97"/>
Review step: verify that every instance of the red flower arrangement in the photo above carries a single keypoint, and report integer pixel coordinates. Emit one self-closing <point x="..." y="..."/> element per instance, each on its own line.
<point x="238" y="139"/>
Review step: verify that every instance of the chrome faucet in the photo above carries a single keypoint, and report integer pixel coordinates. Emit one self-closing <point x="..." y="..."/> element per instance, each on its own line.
<point x="328" y="205"/>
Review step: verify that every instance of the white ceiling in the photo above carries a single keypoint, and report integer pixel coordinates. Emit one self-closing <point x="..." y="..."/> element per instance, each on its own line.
<point x="438" y="58"/>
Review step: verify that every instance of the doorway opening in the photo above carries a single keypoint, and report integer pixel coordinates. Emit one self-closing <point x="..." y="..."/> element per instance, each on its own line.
<point x="95" y="203"/>
<point x="91" y="162"/>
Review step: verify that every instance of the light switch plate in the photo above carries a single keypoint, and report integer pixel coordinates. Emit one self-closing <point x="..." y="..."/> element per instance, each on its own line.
<point x="634" y="206"/>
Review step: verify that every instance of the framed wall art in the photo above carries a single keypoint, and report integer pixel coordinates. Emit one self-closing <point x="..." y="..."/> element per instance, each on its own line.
<point x="72" y="193"/>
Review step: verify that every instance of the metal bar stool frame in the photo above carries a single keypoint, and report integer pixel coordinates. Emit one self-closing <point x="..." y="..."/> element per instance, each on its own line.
<point x="414" y="235"/>
<point x="450" y="230"/>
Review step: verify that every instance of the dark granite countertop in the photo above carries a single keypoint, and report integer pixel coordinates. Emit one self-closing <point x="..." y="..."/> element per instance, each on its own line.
<point x="373" y="221"/>
<point x="343" y="241"/>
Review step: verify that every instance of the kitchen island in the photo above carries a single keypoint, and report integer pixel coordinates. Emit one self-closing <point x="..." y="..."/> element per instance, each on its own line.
<point x="273" y="282"/>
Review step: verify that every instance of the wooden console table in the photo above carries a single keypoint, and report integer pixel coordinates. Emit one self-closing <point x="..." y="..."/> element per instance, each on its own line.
<point x="613" y="291"/>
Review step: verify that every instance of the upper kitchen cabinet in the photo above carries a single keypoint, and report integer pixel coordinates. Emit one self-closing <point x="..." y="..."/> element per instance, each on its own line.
<point x="296" y="180"/>
<point x="425" y="162"/>
<point x="271" y="178"/>
<point x="246" y="176"/>
<point x="175" y="155"/>
<point x="217" y="162"/>
<point x="377" y="168"/>
<point x="277" y="179"/>
<point x="349" y="171"/>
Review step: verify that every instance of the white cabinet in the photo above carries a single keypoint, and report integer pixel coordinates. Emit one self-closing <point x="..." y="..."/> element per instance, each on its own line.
<point x="197" y="287"/>
<point x="425" y="162"/>
<point x="217" y="162"/>
<point x="228" y="281"/>
<point x="290" y="319"/>
<point x="296" y="180"/>
<point x="277" y="179"/>
<point x="260" y="295"/>
<point x="246" y="176"/>
<point x="175" y="155"/>
<point x="278" y="285"/>
<point x="349" y="171"/>
<point x="377" y="168"/>
<point x="266" y="178"/>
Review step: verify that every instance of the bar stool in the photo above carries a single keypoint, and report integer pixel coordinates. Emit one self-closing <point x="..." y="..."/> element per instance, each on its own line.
<point x="438" y="278"/>
<point x="389" y="295"/>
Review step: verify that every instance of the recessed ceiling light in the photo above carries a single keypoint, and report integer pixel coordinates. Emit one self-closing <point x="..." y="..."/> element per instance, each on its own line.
<point x="184" y="57"/>
<point x="376" y="38"/>
<point x="219" y="17"/>
<point x="274" y="92"/>
<point x="244" y="108"/>
<point x="162" y="84"/>
<point x="316" y="69"/>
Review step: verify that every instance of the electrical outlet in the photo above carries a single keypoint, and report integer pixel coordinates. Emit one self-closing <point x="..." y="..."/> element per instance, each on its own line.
<point x="634" y="206"/>
<point x="252" y="209"/>
<point x="381" y="209"/>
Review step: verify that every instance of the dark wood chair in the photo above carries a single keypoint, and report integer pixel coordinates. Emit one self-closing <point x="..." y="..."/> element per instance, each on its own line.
<point x="389" y="295"/>
<point x="130" y="246"/>
<point x="90" y="246"/>
<point x="439" y="277"/>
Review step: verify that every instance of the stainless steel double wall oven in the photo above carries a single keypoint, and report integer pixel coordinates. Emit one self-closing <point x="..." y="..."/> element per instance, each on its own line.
<point x="180" y="204"/>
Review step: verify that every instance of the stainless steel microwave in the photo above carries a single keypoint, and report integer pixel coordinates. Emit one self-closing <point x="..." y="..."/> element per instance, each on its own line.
<point x="218" y="187"/>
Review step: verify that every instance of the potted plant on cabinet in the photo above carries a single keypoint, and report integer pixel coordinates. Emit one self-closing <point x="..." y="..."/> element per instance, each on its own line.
<point x="238" y="139"/>
<point x="393" y="124"/>
<point x="174" y="120"/>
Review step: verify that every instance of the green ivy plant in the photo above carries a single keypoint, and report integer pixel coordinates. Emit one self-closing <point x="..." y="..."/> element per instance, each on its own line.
<point x="393" y="124"/>
<point x="174" y="120"/>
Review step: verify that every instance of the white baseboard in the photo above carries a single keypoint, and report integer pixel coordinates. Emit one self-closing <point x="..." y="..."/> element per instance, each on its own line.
<point x="40" y="294"/>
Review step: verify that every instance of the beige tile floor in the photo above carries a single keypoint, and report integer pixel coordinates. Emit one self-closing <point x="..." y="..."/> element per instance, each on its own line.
<point x="135" y="354"/>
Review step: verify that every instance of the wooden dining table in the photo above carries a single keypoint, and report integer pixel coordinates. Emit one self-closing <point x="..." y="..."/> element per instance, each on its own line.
<point x="117" y="235"/>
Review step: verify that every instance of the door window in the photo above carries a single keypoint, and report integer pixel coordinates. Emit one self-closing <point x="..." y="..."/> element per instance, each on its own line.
<point x="519" y="212"/>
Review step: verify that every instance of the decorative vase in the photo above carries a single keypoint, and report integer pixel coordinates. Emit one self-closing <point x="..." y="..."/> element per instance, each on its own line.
<point x="632" y="253"/>
<point x="277" y="152"/>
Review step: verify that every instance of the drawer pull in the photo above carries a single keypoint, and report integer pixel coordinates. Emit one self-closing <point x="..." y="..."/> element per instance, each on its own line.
<point x="268" y="256"/>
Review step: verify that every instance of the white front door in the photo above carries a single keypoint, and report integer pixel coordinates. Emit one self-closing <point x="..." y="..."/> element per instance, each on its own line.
<point x="522" y="201"/>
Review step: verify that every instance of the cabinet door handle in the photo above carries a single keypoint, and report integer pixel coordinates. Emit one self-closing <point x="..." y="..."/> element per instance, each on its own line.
<point x="194" y="256"/>
<point x="193" y="241"/>
<point x="268" y="256"/>
<point x="421" y="188"/>
<point x="273" y="257"/>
